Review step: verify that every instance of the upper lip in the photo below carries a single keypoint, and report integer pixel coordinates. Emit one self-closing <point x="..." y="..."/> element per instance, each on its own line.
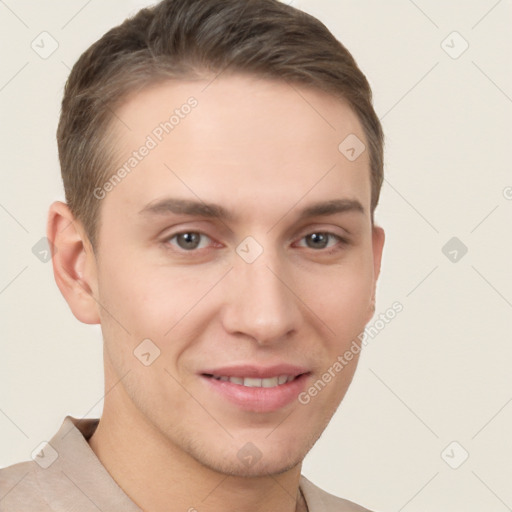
<point x="253" y="371"/>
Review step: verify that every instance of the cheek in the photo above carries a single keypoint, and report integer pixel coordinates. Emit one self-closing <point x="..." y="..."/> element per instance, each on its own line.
<point x="340" y="296"/>
<point x="164" y="304"/>
<point x="146" y="295"/>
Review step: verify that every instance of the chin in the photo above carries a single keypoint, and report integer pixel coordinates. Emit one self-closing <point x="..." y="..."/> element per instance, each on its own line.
<point x="250" y="462"/>
<point x="259" y="470"/>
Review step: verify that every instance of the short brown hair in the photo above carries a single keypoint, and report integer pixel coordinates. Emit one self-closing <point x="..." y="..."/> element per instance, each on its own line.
<point x="192" y="39"/>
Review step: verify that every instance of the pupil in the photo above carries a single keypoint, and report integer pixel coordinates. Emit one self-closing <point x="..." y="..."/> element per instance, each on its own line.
<point x="315" y="237"/>
<point x="190" y="240"/>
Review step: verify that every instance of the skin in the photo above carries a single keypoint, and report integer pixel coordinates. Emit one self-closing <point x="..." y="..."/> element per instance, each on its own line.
<point x="263" y="150"/>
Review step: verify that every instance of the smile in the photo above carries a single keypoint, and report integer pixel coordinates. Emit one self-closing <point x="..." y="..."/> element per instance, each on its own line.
<point x="255" y="393"/>
<point x="252" y="382"/>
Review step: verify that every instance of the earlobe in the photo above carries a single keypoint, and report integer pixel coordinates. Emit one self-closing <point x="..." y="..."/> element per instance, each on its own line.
<point x="74" y="264"/>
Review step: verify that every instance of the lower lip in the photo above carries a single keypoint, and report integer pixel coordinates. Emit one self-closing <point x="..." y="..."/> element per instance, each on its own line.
<point x="257" y="399"/>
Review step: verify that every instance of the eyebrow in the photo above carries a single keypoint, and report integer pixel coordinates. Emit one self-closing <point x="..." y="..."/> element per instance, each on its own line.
<point x="216" y="211"/>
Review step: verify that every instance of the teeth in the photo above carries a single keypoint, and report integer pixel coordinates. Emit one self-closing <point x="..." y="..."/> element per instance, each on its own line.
<point x="282" y="379"/>
<point x="252" y="382"/>
<point x="269" y="383"/>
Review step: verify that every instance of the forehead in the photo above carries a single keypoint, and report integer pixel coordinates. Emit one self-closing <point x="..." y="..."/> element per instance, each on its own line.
<point x="238" y="140"/>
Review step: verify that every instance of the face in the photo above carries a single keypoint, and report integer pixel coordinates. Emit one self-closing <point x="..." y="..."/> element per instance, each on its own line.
<point x="241" y="245"/>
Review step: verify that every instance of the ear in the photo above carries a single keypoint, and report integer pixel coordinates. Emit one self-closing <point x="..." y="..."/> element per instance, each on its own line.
<point x="378" y="237"/>
<point x="74" y="263"/>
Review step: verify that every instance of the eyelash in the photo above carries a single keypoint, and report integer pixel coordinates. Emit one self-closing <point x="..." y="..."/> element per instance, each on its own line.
<point x="342" y="242"/>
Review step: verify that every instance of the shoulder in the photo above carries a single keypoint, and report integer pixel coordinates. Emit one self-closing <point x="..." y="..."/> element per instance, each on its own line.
<point x="20" y="488"/>
<point x="319" y="500"/>
<point x="47" y="480"/>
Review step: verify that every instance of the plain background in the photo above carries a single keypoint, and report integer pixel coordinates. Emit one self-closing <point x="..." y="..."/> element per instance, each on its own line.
<point x="438" y="373"/>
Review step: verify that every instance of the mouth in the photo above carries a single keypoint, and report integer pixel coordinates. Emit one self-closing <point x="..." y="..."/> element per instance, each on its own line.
<point x="254" y="382"/>
<point x="256" y="389"/>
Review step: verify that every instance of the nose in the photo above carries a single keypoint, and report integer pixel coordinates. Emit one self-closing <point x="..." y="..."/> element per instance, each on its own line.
<point x="260" y="302"/>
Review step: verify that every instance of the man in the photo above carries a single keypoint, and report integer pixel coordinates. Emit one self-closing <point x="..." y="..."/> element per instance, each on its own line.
<point x="222" y="163"/>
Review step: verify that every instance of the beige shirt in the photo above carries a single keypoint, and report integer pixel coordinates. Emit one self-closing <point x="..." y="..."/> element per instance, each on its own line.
<point x="67" y="476"/>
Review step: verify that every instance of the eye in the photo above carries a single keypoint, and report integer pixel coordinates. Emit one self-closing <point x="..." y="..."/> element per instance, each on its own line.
<point x="320" y="240"/>
<point x="189" y="240"/>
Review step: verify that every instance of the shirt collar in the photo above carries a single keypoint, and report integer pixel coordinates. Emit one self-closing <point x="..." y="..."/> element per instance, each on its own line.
<point x="79" y="480"/>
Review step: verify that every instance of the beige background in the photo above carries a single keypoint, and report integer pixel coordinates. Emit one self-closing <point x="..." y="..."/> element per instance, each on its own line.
<point x="438" y="373"/>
